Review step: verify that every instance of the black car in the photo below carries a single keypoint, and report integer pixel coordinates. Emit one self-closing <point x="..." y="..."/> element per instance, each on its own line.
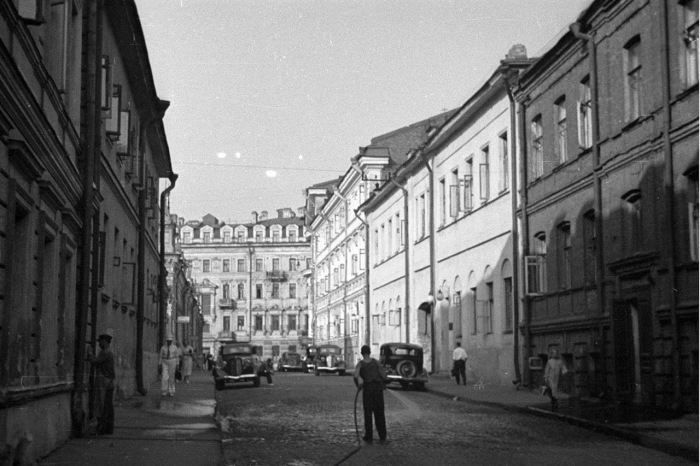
<point x="237" y="363"/>
<point x="403" y="363"/>
<point x="289" y="362"/>
<point x="329" y="359"/>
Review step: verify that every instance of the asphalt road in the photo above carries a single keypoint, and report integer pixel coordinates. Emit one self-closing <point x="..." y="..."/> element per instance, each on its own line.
<point x="307" y="420"/>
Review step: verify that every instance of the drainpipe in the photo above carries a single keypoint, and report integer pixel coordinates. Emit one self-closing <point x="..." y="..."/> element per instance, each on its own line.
<point x="345" y="284"/>
<point x="597" y="185"/>
<point x="162" y="106"/>
<point x="432" y="259"/>
<point x="367" y="311"/>
<point x="514" y="227"/>
<point x="407" y="259"/>
<point x="669" y="190"/>
<point x="250" y="291"/>
<point x="163" y="273"/>
<point x="524" y="238"/>
<point x="93" y="156"/>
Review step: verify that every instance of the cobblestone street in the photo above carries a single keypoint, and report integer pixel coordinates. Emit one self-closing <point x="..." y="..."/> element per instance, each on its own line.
<point x="307" y="420"/>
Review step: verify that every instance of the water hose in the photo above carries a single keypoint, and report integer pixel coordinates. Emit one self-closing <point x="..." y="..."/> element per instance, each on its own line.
<point x="357" y="430"/>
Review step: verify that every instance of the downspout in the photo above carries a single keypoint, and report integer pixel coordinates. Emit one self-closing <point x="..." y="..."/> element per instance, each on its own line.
<point x="669" y="190"/>
<point x="597" y="186"/>
<point x="164" y="273"/>
<point x="250" y="290"/>
<point x="432" y="259"/>
<point x="524" y="238"/>
<point x="514" y="228"/>
<point x="93" y="156"/>
<point x="407" y="261"/>
<point x="345" y="284"/>
<point x="368" y="319"/>
<point x="141" y="279"/>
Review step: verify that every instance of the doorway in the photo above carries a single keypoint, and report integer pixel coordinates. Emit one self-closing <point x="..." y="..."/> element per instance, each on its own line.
<point x="633" y="349"/>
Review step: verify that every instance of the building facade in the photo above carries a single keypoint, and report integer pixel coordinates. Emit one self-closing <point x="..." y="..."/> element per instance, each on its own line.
<point x="609" y="208"/>
<point x="82" y="147"/>
<point x="248" y="279"/>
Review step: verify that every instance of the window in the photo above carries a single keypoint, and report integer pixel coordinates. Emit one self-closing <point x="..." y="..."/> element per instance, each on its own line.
<point x="535" y="270"/>
<point x="258" y="265"/>
<point x="226" y="265"/>
<point x="241" y="291"/>
<point x="590" y="266"/>
<point x="106" y="103"/>
<point x="275" y="324"/>
<point x="291" y="323"/>
<point x="560" y="125"/>
<point x="389" y="238"/>
<point x="488" y="311"/>
<point x="32" y="11"/>
<point x="258" y="291"/>
<point x="690" y="40"/>
<point x="693" y="210"/>
<point x="484" y="175"/>
<point x="227" y="236"/>
<point x="58" y="44"/>
<point x="240" y="323"/>
<point x="342" y="273"/>
<point x="632" y="221"/>
<point x="276" y="236"/>
<point x="240" y="265"/>
<point x="335" y="277"/>
<point x="399" y="232"/>
<point x="275" y="265"/>
<point x="292" y="290"/>
<point x="468" y="188"/>
<point x="362" y="259"/>
<point x="564" y="255"/>
<point x="536" y="150"/>
<point x="227" y="323"/>
<point x="206" y="265"/>
<point x="442" y="200"/>
<point x="292" y="234"/>
<point x="376" y="245"/>
<point x="258" y="236"/>
<point x="633" y="79"/>
<point x="207" y="237"/>
<point x="585" y="117"/>
<point x="508" y="304"/>
<point x="258" y="323"/>
<point x="241" y="236"/>
<point x="355" y="264"/>
<point x="112" y="118"/>
<point x="420" y="225"/>
<point x="206" y="304"/>
<point x="186" y="237"/>
<point x="292" y="264"/>
<point x="457" y="306"/>
<point x="475" y="319"/>
<point x="454" y="194"/>
<point x="227" y="291"/>
<point x="275" y="290"/>
<point x="505" y="161"/>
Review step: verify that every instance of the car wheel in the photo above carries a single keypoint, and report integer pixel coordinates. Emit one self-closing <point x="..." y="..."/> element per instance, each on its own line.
<point x="219" y="384"/>
<point x="419" y="386"/>
<point x="256" y="381"/>
<point x="341" y="373"/>
<point x="316" y="372"/>
<point x="407" y="368"/>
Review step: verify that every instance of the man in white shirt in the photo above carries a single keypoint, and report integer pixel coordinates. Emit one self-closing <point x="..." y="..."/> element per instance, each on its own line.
<point x="459" y="357"/>
<point x="169" y="358"/>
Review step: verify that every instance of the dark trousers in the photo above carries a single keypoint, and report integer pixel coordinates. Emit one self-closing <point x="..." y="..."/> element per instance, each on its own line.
<point x="105" y="418"/>
<point x="373" y="403"/>
<point x="460" y="369"/>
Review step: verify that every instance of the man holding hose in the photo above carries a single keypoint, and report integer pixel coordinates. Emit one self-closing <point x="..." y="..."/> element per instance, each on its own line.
<point x="372" y="386"/>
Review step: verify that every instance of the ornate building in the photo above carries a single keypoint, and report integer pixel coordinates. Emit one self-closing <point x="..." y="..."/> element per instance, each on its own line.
<point x="249" y="282"/>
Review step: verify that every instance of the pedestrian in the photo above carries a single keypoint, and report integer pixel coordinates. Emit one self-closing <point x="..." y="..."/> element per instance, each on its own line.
<point x="266" y="371"/>
<point x="372" y="386"/>
<point x="210" y="362"/>
<point x="104" y="382"/>
<point x="459" y="363"/>
<point x="554" y="368"/>
<point x="187" y="360"/>
<point x="168" y="359"/>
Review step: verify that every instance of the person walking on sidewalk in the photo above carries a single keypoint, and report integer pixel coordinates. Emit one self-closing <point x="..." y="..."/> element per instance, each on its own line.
<point x="104" y="382"/>
<point x="554" y="368"/>
<point x="372" y="386"/>
<point x="266" y="371"/>
<point x="187" y="360"/>
<point x="459" y="365"/>
<point x="168" y="359"/>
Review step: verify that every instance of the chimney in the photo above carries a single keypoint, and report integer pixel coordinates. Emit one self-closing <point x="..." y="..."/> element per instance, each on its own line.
<point x="517" y="52"/>
<point x="255" y="217"/>
<point x="263" y="216"/>
<point x="280" y="213"/>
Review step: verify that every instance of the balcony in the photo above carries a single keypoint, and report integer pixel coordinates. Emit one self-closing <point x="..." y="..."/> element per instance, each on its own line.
<point x="227" y="303"/>
<point x="277" y="276"/>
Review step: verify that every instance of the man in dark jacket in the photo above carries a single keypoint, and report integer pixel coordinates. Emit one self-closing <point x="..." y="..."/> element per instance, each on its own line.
<point x="104" y="382"/>
<point x="372" y="386"/>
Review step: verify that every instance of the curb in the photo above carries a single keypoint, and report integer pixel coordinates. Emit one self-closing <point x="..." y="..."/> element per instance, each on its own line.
<point x="671" y="448"/>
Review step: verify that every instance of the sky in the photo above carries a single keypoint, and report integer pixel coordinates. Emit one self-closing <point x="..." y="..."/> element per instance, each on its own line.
<point x="268" y="97"/>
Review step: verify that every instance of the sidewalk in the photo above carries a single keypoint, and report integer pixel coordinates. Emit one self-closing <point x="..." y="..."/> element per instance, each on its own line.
<point x="154" y="430"/>
<point x="673" y="435"/>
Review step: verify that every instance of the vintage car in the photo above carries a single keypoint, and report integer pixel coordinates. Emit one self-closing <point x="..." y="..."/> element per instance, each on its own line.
<point x="329" y="359"/>
<point x="237" y="363"/>
<point x="289" y="362"/>
<point x="403" y="363"/>
<point x="308" y="363"/>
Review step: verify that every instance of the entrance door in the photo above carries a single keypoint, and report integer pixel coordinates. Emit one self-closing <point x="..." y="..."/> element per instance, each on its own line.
<point x="633" y="350"/>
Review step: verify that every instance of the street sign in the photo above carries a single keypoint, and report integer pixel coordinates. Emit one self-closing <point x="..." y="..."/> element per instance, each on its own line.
<point x="183" y="319"/>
